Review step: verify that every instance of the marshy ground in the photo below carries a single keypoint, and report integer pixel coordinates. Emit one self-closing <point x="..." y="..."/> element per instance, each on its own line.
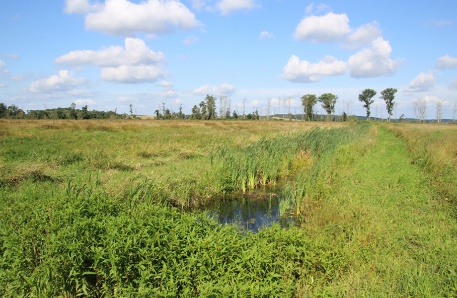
<point x="100" y="208"/>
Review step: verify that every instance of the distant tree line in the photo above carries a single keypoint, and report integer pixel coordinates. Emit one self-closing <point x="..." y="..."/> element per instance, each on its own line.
<point x="13" y="112"/>
<point x="205" y="110"/>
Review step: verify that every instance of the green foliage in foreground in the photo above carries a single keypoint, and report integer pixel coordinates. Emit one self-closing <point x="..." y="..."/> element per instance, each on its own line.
<point x="84" y="242"/>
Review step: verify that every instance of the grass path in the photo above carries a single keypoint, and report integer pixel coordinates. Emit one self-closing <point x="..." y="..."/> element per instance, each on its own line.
<point x="400" y="240"/>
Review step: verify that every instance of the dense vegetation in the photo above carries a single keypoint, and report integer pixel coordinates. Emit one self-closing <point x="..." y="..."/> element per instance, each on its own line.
<point x="95" y="208"/>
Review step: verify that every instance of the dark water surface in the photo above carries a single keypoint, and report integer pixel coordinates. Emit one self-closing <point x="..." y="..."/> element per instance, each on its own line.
<point x="251" y="211"/>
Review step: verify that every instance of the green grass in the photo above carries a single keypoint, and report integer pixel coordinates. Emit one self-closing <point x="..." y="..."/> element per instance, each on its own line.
<point x="377" y="207"/>
<point x="86" y="209"/>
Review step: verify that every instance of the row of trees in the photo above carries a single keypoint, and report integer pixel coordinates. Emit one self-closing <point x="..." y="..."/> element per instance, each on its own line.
<point x="13" y="112"/>
<point x="206" y="110"/>
<point x="328" y="101"/>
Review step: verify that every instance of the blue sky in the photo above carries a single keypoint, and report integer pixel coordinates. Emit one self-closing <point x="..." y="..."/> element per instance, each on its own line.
<point x="110" y="54"/>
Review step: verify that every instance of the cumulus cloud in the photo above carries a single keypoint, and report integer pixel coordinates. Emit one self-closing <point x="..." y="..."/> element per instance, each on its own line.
<point x="423" y="82"/>
<point x="125" y="18"/>
<point x="133" y="63"/>
<point x="333" y="27"/>
<point x="373" y="61"/>
<point x="131" y="73"/>
<point x="229" y="6"/>
<point x="63" y="81"/>
<point x="362" y="36"/>
<point x="266" y="35"/>
<point x="446" y="62"/>
<point x="327" y="28"/>
<point x="166" y="84"/>
<point x="304" y="71"/>
<point x="222" y="89"/>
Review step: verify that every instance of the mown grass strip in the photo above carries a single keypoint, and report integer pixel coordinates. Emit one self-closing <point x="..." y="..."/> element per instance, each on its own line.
<point x="377" y="208"/>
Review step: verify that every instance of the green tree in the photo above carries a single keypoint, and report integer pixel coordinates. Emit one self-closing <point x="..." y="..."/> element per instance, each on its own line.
<point x="211" y="106"/>
<point x="388" y="95"/>
<point x="85" y="112"/>
<point x="196" y="113"/>
<point x="366" y="97"/>
<point x="73" y="114"/>
<point x="308" y="101"/>
<point x="14" y="111"/>
<point x="203" y="110"/>
<point x="2" y="110"/>
<point x="328" y="101"/>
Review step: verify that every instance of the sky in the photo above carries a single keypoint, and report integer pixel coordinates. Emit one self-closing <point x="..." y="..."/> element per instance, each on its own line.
<point x="111" y="54"/>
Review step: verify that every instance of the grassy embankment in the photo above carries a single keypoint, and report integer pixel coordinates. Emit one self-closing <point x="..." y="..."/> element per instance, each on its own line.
<point x="86" y="211"/>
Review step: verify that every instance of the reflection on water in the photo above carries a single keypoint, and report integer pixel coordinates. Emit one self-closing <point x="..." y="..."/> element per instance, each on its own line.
<point x="250" y="212"/>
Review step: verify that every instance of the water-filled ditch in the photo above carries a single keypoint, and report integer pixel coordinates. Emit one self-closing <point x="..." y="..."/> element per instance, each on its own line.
<point x="250" y="211"/>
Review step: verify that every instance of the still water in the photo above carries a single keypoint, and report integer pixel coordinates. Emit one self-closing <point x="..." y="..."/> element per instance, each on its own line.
<point x="251" y="211"/>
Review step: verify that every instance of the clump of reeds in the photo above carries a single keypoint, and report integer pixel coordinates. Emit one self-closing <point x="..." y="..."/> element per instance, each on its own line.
<point x="267" y="160"/>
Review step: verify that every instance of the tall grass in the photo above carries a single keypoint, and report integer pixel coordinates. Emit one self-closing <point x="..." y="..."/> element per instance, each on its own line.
<point x="269" y="159"/>
<point x="84" y="242"/>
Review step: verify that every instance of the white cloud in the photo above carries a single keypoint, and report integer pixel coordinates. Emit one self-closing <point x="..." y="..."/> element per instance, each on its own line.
<point x="327" y="28"/>
<point x="63" y="81"/>
<point x="132" y="64"/>
<point x="122" y="17"/>
<point x="131" y="73"/>
<point x="166" y="84"/>
<point x="423" y="82"/>
<point x="190" y="40"/>
<point x="333" y="27"/>
<point x="304" y="71"/>
<point x="362" y="36"/>
<point x="266" y="35"/>
<point x="222" y="89"/>
<point x="374" y="61"/>
<point x="446" y="62"/>
<point x="229" y="6"/>
<point x="80" y="6"/>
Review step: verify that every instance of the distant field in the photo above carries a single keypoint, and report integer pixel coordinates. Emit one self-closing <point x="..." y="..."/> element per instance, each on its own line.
<point x="95" y="208"/>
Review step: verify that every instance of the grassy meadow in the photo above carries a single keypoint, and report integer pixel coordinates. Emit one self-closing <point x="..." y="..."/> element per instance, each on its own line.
<point x="108" y="208"/>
